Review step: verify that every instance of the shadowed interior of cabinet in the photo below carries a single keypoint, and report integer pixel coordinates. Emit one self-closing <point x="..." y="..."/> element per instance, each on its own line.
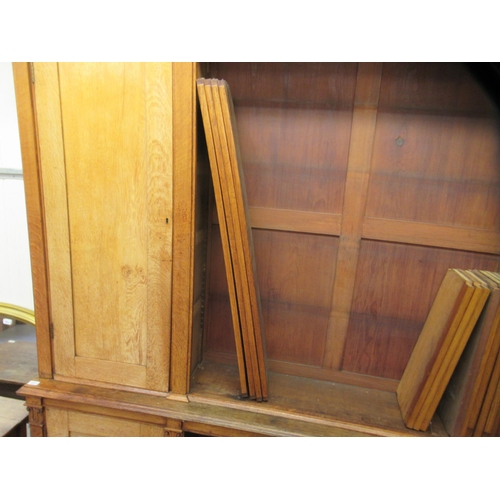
<point x="366" y="182"/>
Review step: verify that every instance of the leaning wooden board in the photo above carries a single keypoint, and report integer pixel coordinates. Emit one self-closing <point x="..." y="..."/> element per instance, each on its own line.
<point x="444" y="317"/>
<point x="246" y="387"/>
<point x="230" y="194"/>
<point x="246" y="230"/>
<point x="489" y="399"/>
<point x="241" y="274"/>
<point x="461" y="402"/>
<point x="453" y="354"/>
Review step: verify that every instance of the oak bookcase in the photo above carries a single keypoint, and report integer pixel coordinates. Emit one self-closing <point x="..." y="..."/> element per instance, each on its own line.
<point x="366" y="182"/>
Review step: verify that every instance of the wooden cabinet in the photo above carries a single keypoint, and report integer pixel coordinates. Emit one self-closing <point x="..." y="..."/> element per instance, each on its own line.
<point x="365" y="183"/>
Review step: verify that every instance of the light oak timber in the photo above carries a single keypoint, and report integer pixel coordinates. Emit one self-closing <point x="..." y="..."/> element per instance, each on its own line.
<point x="491" y="427"/>
<point x="159" y="149"/>
<point x="118" y="235"/>
<point x="247" y="387"/>
<point x="216" y="431"/>
<point x="104" y="131"/>
<point x="356" y="189"/>
<point x="184" y="187"/>
<point x="113" y="412"/>
<point x="489" y="349"/>
<point x="110" y="371"/>
<point x="241" y="319"/>
<point x="115" y="386"/>
<point x="434" y="235"/>
<point x="239" y="419"/>
<point x="452" y="356"/>
<point x="34" y="210"/>
<point x="57" y="422"/>
<point x="246" y="229"/>
<point x="53" y="181"/>
<point x="442" y="322"/>
<point x="493" y="387"/>
<point x="67" y="423"/>
<point x="236" y="192"/>
<point x="431" y="390"/>
<point x="36" y="415"/>
<point x="459" y="408"/>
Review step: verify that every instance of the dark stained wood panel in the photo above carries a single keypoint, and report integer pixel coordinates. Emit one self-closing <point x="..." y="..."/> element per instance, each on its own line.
<point x="295" y="268"/>
<point x="219" y="331"/>
<point x="432" y="201"/>
<point x="438" y="87"/>
<point x="394" y="290"/>
<point x="332" y="84"/>
<point x="253" y="81"/>
<point x="296" y="274"/>
<point x="436" y="169"/>
<point x="295" y="292"/>
<point x="325" y="85"/>
<point x="294" y="158"/>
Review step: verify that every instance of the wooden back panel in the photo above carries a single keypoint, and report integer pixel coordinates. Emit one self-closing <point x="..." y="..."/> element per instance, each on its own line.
<point x="365" y="183"/>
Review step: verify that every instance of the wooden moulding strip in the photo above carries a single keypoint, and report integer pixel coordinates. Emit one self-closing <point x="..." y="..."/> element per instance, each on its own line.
<point x="443" y="319"/>
<point x="293" y="221"/>
<point x="55" y="202"/>
<point x="34" y="209"/>
<point x="221" y="212"/>
<point x="235" y="244"/>
<point x="355" y="193"/>
<point x="235" y="167"/>
<point x="183" y="226"/>
<point x="432" y="235"/>
<point x="159" y="208"/>
<point x="452" y="355"/>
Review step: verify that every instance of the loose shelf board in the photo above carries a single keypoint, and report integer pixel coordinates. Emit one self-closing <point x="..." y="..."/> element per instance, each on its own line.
<point x="246" y="230"/>
<point x="490" y="399"/>
<point x="232" y="208"/>
<point x="461" y="403"/>
<point x="456" y="308"/>
<point x="246" y="386"/>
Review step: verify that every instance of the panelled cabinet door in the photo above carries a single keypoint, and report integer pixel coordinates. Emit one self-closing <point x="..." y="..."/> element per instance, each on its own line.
<point x="67" y="423"/>
<point x="105" y="143"/>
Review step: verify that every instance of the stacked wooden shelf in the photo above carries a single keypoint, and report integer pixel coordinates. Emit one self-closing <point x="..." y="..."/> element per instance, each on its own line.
<point x="453" y="360"/>
<point x="467" y="403"/>
<point x="232" y="208"/>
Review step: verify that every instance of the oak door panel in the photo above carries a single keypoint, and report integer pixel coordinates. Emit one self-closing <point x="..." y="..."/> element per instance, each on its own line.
<point x="106" y="160"/>
<point x="68" y="423"/>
